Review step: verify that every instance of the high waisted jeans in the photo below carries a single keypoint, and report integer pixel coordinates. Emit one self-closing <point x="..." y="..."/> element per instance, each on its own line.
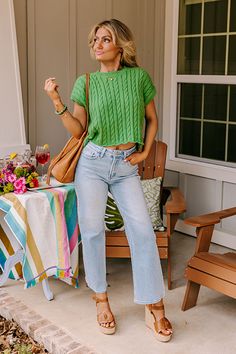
<point x="99" y="170"/>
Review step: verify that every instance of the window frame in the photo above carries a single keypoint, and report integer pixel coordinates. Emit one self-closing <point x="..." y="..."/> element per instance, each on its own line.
<point x="171" y="81"/>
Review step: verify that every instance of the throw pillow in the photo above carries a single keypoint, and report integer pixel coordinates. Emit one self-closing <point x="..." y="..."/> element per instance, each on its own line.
<point x="151" y="189"/>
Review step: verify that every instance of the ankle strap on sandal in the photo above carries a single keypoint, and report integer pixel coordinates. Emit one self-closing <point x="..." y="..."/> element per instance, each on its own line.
<point x="155" y="307"/>
<point x="97" y="299"/>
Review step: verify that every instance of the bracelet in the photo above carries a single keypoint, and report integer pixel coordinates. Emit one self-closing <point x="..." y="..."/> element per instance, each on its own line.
<point x="62" y="111"/>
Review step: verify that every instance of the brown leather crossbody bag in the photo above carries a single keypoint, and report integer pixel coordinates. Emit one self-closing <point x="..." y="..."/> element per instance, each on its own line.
<point x="63" y="165"/>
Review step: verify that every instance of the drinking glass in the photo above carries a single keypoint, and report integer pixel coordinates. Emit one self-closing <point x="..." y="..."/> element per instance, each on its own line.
<point x="42" y="155"/>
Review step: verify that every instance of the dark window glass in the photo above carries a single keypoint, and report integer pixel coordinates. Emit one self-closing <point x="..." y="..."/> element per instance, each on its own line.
<point x="188" y="55"/>
<point x="215" y="16"/>
<point x="232" y="144"/>
<point x="191" y="100"/>
<point x="232" y="104"/>
<point x="215" y="102"/>
<point x="193" y="18"/>
<point x="214" y="55"/>
<point x="233" y="16"/>
<point x="232" y="55"/>
<point x="189" y="137"/>
<point x="190" y="18"/>
<point x="214" y="141"/>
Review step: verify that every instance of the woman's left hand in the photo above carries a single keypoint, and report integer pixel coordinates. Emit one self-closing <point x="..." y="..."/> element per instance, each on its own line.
<point x="136" y="157"/>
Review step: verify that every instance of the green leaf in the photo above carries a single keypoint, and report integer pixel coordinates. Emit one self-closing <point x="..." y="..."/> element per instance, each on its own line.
<point x="113" y="218"/>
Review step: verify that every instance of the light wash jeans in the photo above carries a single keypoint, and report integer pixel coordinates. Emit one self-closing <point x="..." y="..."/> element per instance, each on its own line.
<point x="99" y="170"/>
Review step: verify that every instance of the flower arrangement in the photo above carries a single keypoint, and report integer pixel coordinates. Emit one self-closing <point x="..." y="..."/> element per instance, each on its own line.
<point x="17" y="178"/>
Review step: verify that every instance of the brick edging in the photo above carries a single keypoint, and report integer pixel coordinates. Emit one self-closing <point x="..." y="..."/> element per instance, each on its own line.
<point x="55" y="339"/>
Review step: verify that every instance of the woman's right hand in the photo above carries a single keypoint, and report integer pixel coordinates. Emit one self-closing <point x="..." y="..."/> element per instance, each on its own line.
<point x="51" y="87"/>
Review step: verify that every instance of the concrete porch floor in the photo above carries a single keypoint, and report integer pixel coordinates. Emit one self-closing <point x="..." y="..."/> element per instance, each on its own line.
<point x="207" y="328"/>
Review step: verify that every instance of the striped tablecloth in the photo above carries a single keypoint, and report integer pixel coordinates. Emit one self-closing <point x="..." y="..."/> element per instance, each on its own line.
<point x="43" y="223"/>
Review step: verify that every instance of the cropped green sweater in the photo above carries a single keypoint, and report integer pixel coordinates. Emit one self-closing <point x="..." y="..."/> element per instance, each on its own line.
<point x="117" y="103"/>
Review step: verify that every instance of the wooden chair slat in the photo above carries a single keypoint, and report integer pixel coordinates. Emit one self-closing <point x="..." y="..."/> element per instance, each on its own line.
<point x="200" y="278"/>
<point x="216" y="270"/>
<point x="149" y="164"/>
<point x="160" y="159"/>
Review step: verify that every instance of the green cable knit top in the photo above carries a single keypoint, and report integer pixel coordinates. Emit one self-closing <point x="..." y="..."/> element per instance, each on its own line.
<point x="117" y="103"/>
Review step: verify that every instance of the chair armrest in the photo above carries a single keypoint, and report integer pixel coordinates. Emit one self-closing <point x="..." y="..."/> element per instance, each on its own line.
<point x="176" y="205"/>
<point x="210" y="219"/>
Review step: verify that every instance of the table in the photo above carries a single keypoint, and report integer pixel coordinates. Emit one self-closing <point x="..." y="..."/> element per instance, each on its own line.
<point x="39" y="236"/>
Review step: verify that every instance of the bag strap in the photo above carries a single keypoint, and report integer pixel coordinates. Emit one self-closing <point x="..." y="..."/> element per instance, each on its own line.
<point x="58" y="157"/>
<point x="87" y="99"/>
<point x="87" y="105"/>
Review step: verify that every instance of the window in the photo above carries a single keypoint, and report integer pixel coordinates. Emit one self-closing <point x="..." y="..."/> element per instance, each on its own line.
<point x="207" y="122"/>
<point x="206" y="46"/>
<point x="206" y="43"/>
<point x="201" y="72"/>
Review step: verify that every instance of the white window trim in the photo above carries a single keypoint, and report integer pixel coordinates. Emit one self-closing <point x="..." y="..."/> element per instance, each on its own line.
<point x="213" y="171"/>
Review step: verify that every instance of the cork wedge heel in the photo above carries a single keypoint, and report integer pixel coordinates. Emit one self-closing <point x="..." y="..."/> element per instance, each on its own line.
<point x="158" y="326"/>
<point x="103" y="318"/>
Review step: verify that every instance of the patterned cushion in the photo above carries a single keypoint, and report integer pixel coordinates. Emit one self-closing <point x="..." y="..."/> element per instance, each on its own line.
<point x="151" y="189"/>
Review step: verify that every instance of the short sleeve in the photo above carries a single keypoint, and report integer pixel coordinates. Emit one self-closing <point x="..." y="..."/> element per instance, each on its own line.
<point x="78" y="93"/>
<point x="149" y="89"/>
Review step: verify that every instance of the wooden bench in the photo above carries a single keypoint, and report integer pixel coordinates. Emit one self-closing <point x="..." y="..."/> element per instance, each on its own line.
<point x="154" y="166"/>
<point x="214" y="270"/>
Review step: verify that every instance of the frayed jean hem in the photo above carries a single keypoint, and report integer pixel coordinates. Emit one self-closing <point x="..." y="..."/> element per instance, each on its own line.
<point x="148" y="302"/>
<point x="95" y="290"/>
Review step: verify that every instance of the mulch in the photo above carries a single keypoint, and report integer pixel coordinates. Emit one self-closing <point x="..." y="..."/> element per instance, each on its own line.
<point x="13" y="340"/>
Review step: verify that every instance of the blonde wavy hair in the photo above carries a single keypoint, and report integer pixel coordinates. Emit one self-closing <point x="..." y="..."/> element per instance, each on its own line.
<point x="122" y="37"/>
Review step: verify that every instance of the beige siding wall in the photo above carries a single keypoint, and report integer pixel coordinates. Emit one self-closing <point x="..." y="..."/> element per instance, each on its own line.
<point x="52" y="39"/>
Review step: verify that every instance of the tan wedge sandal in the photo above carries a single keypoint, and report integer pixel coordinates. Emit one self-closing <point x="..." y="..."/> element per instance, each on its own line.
<point x="158" y="326"/>
<point x="103" y="318"/>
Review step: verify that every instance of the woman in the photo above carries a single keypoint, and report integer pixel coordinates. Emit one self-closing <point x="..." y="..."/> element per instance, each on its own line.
<point x="120" y="96"/>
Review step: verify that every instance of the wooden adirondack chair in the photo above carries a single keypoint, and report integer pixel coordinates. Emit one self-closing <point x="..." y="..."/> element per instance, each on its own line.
<point x="154" y="166"/>
<point x="214" y="270"/>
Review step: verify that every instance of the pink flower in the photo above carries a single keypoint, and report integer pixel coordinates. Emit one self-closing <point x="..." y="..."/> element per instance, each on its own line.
<point x="11" y="178"/>
<point x="20" y="190"/>
<point x="6" y="175"/>
<point x="19" y="186"/>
